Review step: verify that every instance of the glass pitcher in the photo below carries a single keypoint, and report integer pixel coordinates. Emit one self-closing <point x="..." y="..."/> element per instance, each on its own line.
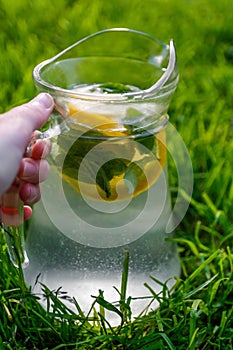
<point x="107" y="196"/>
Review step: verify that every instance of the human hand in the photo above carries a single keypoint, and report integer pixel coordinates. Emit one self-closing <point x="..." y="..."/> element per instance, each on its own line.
<point x="16" y="127"/>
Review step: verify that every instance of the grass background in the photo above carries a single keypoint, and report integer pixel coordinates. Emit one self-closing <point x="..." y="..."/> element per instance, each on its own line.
<point x="199" y="312"/>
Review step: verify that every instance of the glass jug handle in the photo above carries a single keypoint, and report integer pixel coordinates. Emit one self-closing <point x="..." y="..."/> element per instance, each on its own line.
<point x="59" y="125"/>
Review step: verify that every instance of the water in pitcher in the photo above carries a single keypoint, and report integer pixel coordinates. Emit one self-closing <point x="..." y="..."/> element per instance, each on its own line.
<point x="107" y="194"/>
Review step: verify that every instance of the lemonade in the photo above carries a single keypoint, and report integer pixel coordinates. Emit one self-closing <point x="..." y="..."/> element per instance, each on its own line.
<point x="109" y="186"/>
<point x="135" y="160"/>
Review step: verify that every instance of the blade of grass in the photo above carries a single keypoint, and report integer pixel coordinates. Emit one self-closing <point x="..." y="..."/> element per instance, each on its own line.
<point x="199" y="288"/>
<point x="202" y="267"/>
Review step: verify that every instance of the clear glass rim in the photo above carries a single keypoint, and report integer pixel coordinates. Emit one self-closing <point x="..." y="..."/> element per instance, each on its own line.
<point x="154" y="90"/>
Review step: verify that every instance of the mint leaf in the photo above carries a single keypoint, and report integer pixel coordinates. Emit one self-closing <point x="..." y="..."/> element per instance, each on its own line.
<point x="132" y="176"/>
<point x="114" y="88"/>
<point x="149" y="141"/>
<point x="113" y="167"/>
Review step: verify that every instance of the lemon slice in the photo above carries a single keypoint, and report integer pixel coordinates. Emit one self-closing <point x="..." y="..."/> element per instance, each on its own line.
<point x="84" y="121"/>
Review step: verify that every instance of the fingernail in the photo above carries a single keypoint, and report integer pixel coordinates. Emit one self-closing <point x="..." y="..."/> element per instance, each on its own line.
<point x="44" y="99"/>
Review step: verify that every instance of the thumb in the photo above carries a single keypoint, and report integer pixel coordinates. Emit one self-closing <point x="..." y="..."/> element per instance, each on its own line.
<point x="16" y="127"/>
<point x="42" y="105"/>
<point x="21" y="121"/>
<point x="33" y="114"/>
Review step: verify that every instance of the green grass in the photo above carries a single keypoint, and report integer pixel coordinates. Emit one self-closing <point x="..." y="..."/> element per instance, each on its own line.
<point x="198" y="314"/>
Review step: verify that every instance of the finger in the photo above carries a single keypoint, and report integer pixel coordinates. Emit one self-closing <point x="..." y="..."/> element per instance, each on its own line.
<point x="41" y="149"/>
<point x="33" y="170"/>
<point x="27" y="212"/>
<point x="30" y="193"/>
